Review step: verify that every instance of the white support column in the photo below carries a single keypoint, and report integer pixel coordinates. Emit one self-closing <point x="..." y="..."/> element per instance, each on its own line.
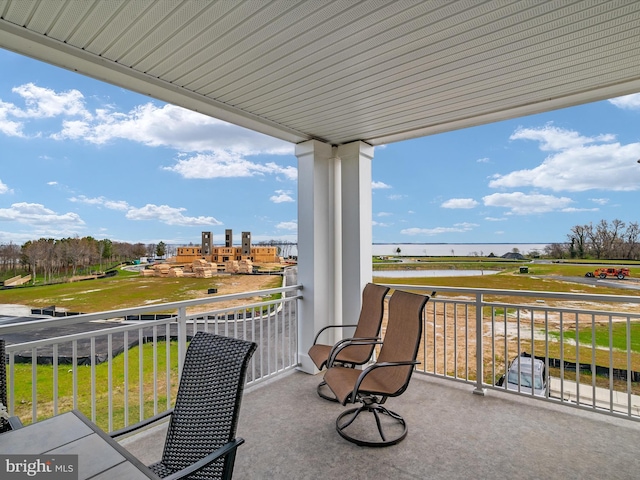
<point x="316" y="243"/>
<point x="357" y="235"/>
<point x="334" y="238"/>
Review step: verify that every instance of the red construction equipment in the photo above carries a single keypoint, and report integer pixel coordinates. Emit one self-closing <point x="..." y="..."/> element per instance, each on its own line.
<point x="619" y="273"/>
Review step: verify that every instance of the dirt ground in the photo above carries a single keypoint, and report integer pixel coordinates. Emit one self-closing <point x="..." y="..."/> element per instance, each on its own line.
<point x="230" y="284"/>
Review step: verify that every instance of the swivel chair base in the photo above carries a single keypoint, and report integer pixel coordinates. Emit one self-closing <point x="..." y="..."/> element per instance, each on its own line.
<point x="345" y="419"/>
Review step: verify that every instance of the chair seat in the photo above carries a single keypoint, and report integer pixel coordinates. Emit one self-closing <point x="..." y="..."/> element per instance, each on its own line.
<point x="354" y="354"/>
<point x="341" y="380"/>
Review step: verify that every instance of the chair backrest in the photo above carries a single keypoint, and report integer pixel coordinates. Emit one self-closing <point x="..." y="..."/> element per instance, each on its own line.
<point x="3" y="375"/>
<point x="205" y="416"/>
<point x="4" y="425"/>
<point x="370" y="320"/>
<point x="401" y="339"/>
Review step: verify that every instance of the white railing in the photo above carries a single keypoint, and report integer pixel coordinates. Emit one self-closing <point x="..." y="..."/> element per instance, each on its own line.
<point x="119" y="370"/>
<point x="586" y="343"/>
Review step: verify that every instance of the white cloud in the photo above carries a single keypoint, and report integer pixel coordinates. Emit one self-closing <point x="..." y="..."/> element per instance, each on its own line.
<point x="168" y="215"/>
<point x="396" y="197"/>
<point x="224" y="164"/>
<point x="494" y="219"/>
<point x="36" y="214"/>
<point x="161" y="213"/>
<point x="102" y="202"/>
<point x="554" y="139"/>
<point x="520" y="203"/>
<point x="281" y="196"/>
<point x="483" y="160"/>
<point x="577" y="163"/>
<point x="384" y="214"/>
<point x="600" y="201"/>
<point x="4" y="188"/>
<point x="288" y="225"/>
<point x="39" y="103"/>
<point x="11" y="128"/>
<point x="156" y="126"/>
<point x="46" y="103"/>
<point x="379" y="224"/>
<point x="629" y="102"/>
<point x="574" y="209"/>
<point x="174" y="127"/>
<point x="379" y="185"/>
<point x="459" y="203"/>
<point x="457" y="228"/>
<point x="52" y="183"/>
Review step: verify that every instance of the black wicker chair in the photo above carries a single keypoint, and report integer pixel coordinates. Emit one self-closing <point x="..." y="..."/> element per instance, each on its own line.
<point x="200" y="442"/>
<point x="11" y="423"/>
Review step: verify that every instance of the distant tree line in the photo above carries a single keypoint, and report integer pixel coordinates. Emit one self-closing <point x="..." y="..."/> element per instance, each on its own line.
<point x="613" y="241"/>
<point x="284" y="247"/>
<point x="58" y="258"/>
<point x="52" y="258"/>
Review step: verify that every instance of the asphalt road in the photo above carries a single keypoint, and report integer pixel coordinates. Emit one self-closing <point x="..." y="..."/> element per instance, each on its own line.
<point x="628" y="283"/>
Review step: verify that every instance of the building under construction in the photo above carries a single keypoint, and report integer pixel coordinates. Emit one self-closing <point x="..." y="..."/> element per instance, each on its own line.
<point x="221" y="255"/>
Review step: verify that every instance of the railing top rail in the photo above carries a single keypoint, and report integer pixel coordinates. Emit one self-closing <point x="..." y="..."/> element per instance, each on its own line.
<point x="519" y="293"/>
<point x="88" y="317"/>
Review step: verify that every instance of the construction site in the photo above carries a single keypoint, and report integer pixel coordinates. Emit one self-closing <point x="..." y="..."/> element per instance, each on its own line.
<point x="208" y="260"/>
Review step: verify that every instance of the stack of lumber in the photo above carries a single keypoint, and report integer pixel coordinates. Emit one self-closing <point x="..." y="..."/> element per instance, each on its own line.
<point x="176" y="272"/>
<point x="245" y="266"/>
<point x="231" y="267"/>
<point x="203" y="269"/>
<point x="162" y="269"/>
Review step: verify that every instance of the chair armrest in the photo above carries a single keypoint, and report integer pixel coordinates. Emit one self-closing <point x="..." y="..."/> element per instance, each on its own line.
<point x="369" y="369"/>
<point x="143" y="423"/>
<point x="347" y="342"/>
<point x="315" y="340"/>
<point x="228" y="448"/>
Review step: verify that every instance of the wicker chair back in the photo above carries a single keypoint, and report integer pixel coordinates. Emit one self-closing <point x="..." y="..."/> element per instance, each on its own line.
<point x="205" y="416"/>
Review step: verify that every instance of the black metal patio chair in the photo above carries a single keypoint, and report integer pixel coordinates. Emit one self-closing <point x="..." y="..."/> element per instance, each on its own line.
<point x="200" y="442"/>
<point x="11" y="423"/>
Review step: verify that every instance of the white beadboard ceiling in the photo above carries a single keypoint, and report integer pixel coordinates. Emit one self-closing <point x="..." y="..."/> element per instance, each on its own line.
<point x="342" y="70"/>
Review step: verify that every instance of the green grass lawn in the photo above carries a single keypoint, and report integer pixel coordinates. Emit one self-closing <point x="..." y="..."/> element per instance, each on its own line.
<point x="126" y="290"/>
<point x="44" y="381"/>
<point x="618" y="336"/>
<point x="504" y="281"/>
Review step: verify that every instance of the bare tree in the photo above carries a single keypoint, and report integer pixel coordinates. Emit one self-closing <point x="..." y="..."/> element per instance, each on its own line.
<point x="578" y="239"/>
<point x="555" y="250"/>
<point x="630" y="239"/>
<point x="596" y="240"/>
<point x="9" y="258"/>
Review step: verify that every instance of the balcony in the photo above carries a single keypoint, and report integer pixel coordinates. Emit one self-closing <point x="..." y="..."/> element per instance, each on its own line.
<point x="289" y="430"/>
<point x="290" y="434"/>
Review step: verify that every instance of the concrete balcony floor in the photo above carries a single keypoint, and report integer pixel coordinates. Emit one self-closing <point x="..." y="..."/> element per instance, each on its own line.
<point x="290" y="434"/>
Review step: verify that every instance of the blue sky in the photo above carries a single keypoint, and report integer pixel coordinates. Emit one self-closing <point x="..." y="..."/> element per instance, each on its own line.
<point x="81" y="157"/>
